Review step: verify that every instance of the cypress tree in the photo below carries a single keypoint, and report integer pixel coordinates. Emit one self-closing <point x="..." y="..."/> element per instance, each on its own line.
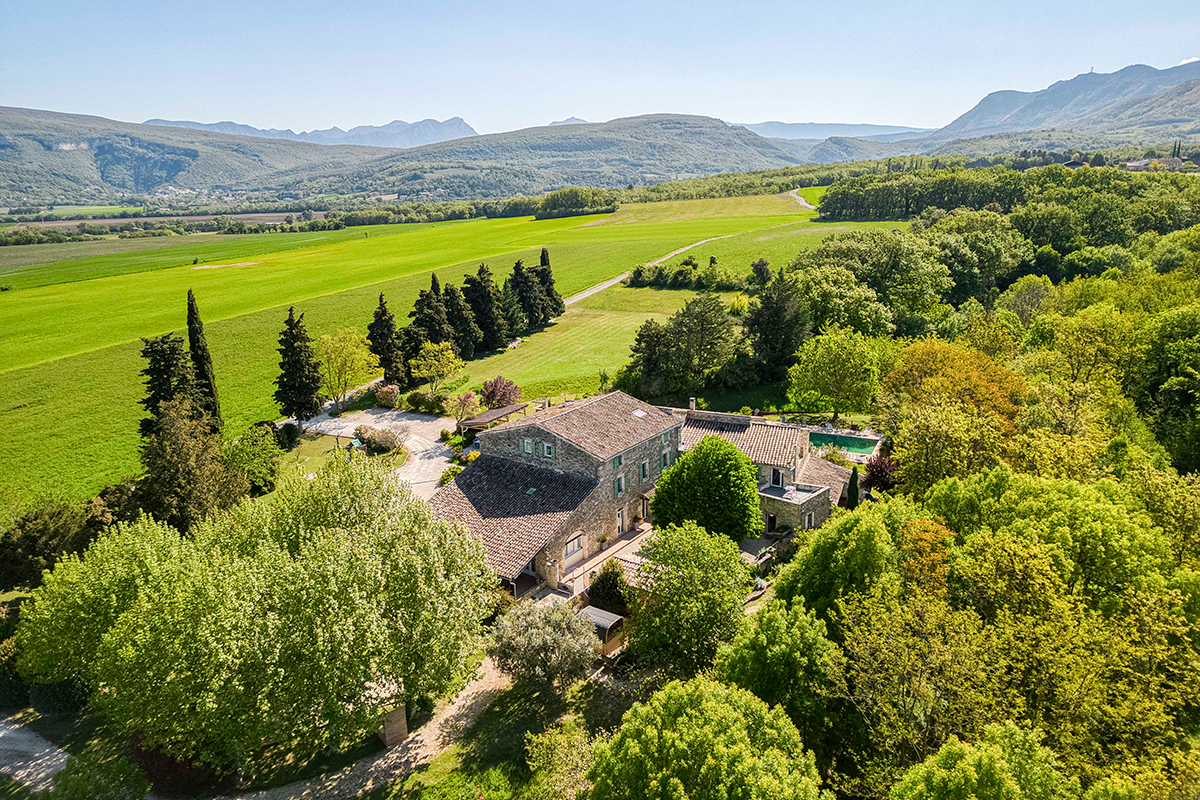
<point x="202" y="368"/>
<point x="515" y="322"/>
<point x="467" y="334"/>
<point x="429" y="314"/>
<point x="483" y="296"/>
<point x="852" y="490"/>
<point x="381" y="333"/>
<point x="531" y="295"/>
<point x="411" y="338"/>
<point x="168" y="374"/>
<point x="299" y="382"/>
<point x="545" y="276"/>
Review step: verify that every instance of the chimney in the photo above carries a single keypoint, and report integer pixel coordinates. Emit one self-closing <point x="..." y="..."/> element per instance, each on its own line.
<point x="691" y="404"/>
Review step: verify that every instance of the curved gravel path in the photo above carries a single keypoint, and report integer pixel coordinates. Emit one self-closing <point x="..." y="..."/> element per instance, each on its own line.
<point x="445" y="728"/>
<point x="796" y="194"/>
<point x="28" y="757"/>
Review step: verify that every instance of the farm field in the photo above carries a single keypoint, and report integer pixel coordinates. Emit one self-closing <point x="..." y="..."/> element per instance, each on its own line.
<point x="69" y="392"/>
<point x="68" y="211"/>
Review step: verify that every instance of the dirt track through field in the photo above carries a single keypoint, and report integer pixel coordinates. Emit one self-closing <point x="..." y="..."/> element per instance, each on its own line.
<point x="608" y="284"/>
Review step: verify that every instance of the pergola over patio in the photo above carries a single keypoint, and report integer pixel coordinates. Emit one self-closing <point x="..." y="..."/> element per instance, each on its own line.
<point x="491" y="417"/>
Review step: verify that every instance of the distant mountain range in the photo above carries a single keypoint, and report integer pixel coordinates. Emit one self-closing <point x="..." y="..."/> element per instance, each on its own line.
<point x="396" y="133"/>
<point x="47" y="156"/>
<point x="823" y="130"/>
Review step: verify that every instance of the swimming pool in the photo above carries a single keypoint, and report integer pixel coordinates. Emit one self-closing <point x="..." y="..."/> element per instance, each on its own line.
<point x="859" y="445"/>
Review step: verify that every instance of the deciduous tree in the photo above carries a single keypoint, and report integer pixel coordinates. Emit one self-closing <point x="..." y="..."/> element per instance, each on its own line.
<point x="544" y="645"/>
<point x="436" y="363"/>
<point x="713" y="485"/>
<point x="691" y="584"/>
<point x="346" y="360"/>
<point x="703" y="740"/>
<point x="839" y="367"/>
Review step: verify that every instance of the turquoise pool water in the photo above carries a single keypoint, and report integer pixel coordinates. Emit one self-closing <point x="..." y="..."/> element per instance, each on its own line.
<point x="851" y="444"/>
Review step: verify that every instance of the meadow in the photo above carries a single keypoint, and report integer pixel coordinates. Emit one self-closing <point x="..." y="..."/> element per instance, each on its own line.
<point x="70" y="351"/>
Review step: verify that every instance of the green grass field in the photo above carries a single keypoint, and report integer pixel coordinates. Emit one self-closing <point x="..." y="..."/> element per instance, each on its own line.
<point x="69" y="351"/>
<point x="69" y="211"/>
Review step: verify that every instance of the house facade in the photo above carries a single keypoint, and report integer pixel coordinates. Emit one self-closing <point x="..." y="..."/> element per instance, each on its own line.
<point x="550" y="490"/>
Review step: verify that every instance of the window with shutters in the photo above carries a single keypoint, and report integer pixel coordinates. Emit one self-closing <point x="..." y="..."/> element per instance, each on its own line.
<point x="644" y="472"/>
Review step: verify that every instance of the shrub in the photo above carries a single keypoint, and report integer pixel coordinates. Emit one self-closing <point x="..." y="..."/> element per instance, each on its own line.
<point x="881" y="473"/>
<point x="256" y="455"/>
<point x="417" y="400"/>
<point x="610" y="590"/>
<point x="13" y="692"/>
<point x="470" y="456"/>
<point x="380" y="440"/>
<point x="388" y="396"/>
<point x="37" y="539"/>
<point x="739" y="305"/>
<point x="446" y="435"/>
<point x="89" y="776"/>
<point x="58" y="699"/>
<point x="449" y="474"/>
<point x="559" y="759"/>
<point x="287" y="435"/>
<point x="746" y="411"/>
<point x="543" y="645"/>
<point x="500" y="391"/>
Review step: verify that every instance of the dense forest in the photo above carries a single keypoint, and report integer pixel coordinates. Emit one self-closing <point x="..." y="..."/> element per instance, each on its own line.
<point x="1020" y="602"/>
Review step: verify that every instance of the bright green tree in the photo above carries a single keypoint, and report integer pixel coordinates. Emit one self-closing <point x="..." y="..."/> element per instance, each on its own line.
<point x="702" y="740"/>
<point x="691" y="585"/>
<point x="839" y="366"/>
<point x="785" y="658"/>
<point x="944" y="439"/>
<point x="436" y="363"/>
<point x="347" y="361"/>
<point x="1008" y="763"/>
<point x="713" y="485"/>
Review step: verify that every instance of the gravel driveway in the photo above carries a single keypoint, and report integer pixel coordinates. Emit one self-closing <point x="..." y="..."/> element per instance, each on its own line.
<point x="427" y="456"/>
<point x="27" y="757"/>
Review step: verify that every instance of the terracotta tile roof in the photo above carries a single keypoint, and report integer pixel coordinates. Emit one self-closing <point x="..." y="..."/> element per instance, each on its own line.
<point x="764" y="441"/>
<point x="819" y="472"/>
<point x="493" y="498"/>
<point x="602" y="426"/>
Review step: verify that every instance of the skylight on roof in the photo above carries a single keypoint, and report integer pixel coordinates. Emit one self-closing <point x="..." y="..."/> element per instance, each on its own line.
<point x="531" y="490"/>
<point x="637" y="412"/>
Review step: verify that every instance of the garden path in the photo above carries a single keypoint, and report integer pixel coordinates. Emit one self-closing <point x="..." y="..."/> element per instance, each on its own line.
<point x="445" y="728"/>
<point x="28" y="757"/>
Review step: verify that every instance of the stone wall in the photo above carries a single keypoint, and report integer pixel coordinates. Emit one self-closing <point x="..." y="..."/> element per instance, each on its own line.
<point x="791" y="514"/>
<point x="506" y="443"/>
<point x="596" y="517"/>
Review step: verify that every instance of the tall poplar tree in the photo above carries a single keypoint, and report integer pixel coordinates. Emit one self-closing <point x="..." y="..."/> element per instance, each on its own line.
<point x="545" y="276"/>
<point x="202" y="368"/>
<point x="385" y="345"/>
<point x="168" y="374"/>
<point x="299" y="383"/>
<point x="467" y="334"/>
<point x="483" y="296"/>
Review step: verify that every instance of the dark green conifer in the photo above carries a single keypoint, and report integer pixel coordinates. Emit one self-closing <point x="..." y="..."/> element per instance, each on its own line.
<point x="299" y="383"/>
<point x="483" y="296"/>
<point x="545" y="276"/>
<point x="168" y="374"/>
<point x="534" y="302"/>
<point x="202" y="368"/>
<point x="467" y="334"/>
<point x="515" y="322"/>
<point x="852" y="490"/>
<point x="381" y="334"/>
<point x="429" y="314"/>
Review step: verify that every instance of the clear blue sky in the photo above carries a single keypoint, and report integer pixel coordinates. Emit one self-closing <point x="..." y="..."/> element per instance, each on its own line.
<point x="500" y="66"/>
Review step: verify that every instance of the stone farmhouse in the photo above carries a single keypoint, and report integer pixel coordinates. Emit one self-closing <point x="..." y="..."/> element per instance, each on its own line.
<point x="554" y="488"/>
